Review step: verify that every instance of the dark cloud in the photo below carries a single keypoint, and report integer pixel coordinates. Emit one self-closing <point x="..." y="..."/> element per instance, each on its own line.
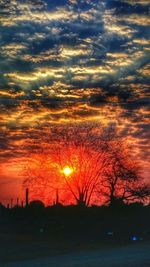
<point x="73" y="60"/>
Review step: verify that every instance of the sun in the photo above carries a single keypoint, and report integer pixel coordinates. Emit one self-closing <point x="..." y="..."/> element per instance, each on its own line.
<point x="67" y="171"/>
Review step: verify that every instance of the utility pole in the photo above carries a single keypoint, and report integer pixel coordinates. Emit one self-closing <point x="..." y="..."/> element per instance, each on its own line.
<point x="17" y="202"/>
<point x="11" y="203"/>
<point x="57" y="197"/>
<point x="27" y="197"/>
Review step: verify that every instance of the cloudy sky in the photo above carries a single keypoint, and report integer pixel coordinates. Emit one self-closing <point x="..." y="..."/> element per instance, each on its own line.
<point x="67" y="61"/>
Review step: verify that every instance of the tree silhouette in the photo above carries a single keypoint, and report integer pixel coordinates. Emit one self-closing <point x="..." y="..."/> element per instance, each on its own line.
<point x="40" y="176"/>
<point x="79" y="161"/>
<point x="84" y="149"/>
<point x="80" y="147"/>
<point x="122" y="180"/>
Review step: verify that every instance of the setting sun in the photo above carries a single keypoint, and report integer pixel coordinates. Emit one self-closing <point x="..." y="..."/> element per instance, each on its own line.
<point x="67" y="171"/>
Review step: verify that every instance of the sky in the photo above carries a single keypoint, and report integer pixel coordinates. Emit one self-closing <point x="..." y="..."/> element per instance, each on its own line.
<point x="74" y="61"/>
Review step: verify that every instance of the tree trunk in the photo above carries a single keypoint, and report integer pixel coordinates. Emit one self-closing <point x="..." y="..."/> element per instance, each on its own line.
<point x="81" y="203"/>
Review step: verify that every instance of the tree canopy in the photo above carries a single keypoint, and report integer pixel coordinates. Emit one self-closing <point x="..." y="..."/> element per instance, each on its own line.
<point x="84" y="164"/>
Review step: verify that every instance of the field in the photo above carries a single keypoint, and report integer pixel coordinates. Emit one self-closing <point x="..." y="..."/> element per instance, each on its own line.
<point x="72" y="237"/>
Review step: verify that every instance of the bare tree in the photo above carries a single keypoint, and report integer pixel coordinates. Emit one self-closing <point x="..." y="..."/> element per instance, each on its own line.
<point x="39" y="177"/>
<point x="122" y="180"/>
<point x="78" y="161"/>
<point x="80" y="148"/>
<point x="84" y="151"/>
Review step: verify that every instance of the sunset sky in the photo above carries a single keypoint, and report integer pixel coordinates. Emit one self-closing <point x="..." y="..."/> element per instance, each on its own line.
<point x="65" y="61"/>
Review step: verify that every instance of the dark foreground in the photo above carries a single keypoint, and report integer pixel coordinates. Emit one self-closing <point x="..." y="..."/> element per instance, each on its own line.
<point x="129" y="256"/>
<point x="75" y="237"/>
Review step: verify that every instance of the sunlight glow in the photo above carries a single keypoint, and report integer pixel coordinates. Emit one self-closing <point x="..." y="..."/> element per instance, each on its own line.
<point x="67" y="171"/>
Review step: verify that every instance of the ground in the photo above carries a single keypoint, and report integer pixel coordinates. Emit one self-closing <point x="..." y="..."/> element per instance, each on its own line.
<point x="133" y="255"/>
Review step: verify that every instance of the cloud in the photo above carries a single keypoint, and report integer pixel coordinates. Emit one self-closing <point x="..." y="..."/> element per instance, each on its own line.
<point x="136" y="19"/>
<point x="69" y="61"/>
<point x="114" y="27"/>
<point x="136" y="2"/>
